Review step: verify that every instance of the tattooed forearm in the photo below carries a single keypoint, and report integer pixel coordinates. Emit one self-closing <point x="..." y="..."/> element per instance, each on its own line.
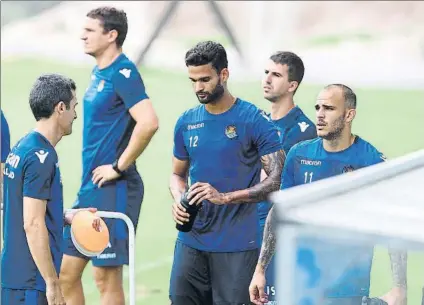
<point x="272" y="161"/>
<point x="399" y="267"/>
<point x="273" y="166"/>
<point x="269" y="241"/>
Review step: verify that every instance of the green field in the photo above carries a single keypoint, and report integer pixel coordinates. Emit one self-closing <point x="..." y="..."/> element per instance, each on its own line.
<point x="390" y="119"/>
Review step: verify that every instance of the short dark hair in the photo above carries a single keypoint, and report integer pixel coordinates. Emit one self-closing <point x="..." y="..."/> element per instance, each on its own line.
<point x="47" y="91"/>
<point x="207" y="52"/>
<point x="112" y="19"/>
<point x="348" y="94"/>
<point x="296" y="69"/>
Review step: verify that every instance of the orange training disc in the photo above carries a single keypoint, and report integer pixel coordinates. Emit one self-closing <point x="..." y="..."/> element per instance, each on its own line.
<point x="86" y="239"/>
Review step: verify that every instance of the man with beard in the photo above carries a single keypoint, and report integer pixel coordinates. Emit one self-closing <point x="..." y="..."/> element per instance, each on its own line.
<point x="221" y="145"/>
<point x="335" y="151"/>
<point x="283" y="75"/>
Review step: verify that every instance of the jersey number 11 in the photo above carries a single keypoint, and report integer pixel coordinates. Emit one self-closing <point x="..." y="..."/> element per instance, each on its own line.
<point x="308" y="177"/>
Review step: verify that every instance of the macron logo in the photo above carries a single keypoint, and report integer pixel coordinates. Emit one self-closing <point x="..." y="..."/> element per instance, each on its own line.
<point x="195" y="126"/>
<point x="42" y="155"/>
<point x="303" y="126"/>
<point x="125" y="72"/>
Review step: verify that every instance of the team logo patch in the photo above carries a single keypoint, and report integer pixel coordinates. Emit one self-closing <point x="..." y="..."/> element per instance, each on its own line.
<point x="101" y="86"/>
<point x="348" y="169"/>
<point x="230" y="131"/>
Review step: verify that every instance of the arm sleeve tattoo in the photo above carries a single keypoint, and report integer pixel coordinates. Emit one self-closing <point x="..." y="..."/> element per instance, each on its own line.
<point x="399" y="267"/>
<point x="273" y="166"/>
<point x="269" y="241"/>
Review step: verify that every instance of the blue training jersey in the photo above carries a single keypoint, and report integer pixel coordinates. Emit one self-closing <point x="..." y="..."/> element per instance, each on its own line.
<point x="224" y="150"/>
<point x="338" y="270"/>
<point x="5" y="138"/>
<point x="31" y="170"/>
<point x="292" y="128"/>
<point x="108" y="125"/>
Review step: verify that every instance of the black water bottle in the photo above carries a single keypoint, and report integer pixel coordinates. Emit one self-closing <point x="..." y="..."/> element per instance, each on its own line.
<point x="191" y="210"/>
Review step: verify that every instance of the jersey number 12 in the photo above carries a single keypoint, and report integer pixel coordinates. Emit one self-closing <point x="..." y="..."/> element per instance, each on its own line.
<point x="193" y="141"/>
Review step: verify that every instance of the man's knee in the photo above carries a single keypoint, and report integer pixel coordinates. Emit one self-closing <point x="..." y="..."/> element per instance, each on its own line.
<point x="71" y="270"/>
<point x="108" y="279"/>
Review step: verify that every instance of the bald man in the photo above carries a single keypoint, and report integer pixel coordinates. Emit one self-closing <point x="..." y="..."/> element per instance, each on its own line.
<point x="332" y="273"/>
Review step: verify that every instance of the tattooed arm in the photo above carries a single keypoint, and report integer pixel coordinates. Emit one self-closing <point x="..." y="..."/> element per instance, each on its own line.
<point x="397" y="295"/>
<point x="257" y="285"/>
<point x="273" y="166"/>
<point x="269" y="242"/>
<point x="270" y="239"/>
<point x="399" y="263"/>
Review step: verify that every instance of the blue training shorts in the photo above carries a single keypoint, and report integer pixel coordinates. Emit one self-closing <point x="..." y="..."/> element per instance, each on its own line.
<point x="22" y="297"/>
<point x="125" y="196"/>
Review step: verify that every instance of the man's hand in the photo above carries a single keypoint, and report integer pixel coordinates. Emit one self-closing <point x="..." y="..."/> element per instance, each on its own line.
<point x="54" y="293"/>
<point x="204" y="191"/>
<point x="69" y="216"/>
<point x="179" y="213"/>
<point x="103" y="174"/>
<point x="396" y="296"/>
<point x="257" y="288"/>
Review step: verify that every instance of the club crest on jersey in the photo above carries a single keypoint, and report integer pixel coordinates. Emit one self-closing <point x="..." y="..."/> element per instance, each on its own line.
<point x="230" y="131"/>
<point x="348" y="169"/>
<point x="101" y="86"/>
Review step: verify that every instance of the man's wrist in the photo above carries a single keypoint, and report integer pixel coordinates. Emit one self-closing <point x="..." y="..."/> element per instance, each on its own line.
<point x="226" y="198"/>
<point x="259" y="268"/>
<point x="116" y="168"/>
<point x="52" y="281"/>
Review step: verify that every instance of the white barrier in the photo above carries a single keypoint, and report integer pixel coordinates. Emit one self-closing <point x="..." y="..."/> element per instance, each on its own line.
<point x="131" y="248"/>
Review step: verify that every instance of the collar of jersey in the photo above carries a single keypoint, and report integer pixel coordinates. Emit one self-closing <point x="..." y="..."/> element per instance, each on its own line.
<point x="355" y="142"/>
<point x="230" y="110"/>
<point x="43" y="138"/>
<point x="291" y="117"/>
<point x="117" y="60"/>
